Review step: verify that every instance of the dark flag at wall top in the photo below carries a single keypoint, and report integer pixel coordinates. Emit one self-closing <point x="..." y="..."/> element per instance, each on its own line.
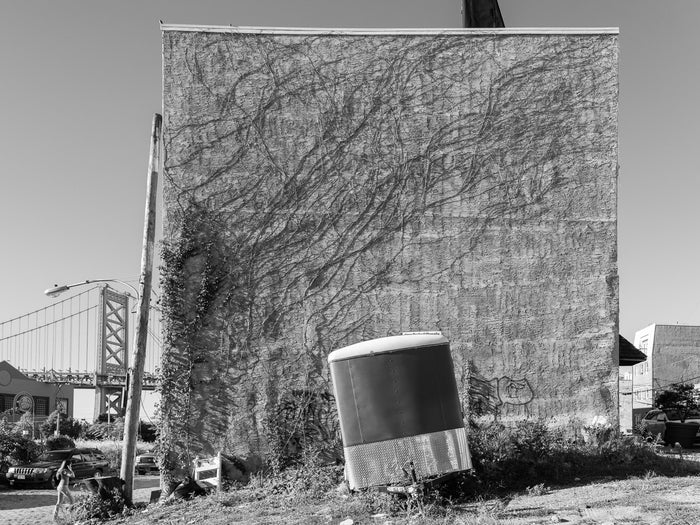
<point x="481" y="13"/>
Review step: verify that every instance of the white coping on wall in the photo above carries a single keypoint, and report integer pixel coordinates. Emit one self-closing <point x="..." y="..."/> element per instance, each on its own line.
<point x="387" y="344"/>
<point x="395" y="31"/>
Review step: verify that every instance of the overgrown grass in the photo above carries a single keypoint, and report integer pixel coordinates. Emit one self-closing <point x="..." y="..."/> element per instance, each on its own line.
<point x="92" y="508"/>
<point x="529" y="459"/>
<point x="512" y="459"/>
<point x="112" y="449"/>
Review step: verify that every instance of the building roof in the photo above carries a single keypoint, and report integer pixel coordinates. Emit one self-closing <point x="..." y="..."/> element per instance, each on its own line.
<point x="629" y="354"/>
<point x="8" y="373"/>
<point x="392" y="31"/>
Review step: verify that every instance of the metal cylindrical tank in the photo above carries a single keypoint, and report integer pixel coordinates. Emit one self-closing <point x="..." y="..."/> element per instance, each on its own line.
<point x="398" y="403"/>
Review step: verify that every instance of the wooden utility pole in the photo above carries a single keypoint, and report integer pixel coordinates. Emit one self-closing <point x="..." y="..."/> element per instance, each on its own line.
<point x="481" y="13"/>
<point x="138" y="354"/>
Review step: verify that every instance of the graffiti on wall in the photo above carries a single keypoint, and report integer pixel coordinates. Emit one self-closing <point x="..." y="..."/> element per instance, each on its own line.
<point x="495" y="396"/>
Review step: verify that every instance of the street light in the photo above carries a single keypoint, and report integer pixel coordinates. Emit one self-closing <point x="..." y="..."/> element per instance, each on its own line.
<point x="58" y="290"/>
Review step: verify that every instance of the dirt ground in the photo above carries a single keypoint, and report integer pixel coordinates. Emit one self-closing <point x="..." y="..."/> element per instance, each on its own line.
<point x="33" y="506"/>
<point x="647" y="500"/>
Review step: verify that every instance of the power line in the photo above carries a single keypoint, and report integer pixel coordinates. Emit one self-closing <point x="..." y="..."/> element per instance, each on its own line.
<point x="660" y="387"/>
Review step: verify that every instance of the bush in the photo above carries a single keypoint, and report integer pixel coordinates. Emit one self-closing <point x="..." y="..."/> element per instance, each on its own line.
<point x="683" y="398"/>
<point x="514" y="458"/>
<point x="67" y="426"/>
<point x="15" y="448"/>
<point x="59" y="442"/>
<point x="311" y="477"/>
<point x="25" y="425"/>
<point x="93" y="507"/>
<point x="114" y="456"/>
<point x="104" y="431"/>
<point x="104" y="417"/>
<point x="147" y="432"/>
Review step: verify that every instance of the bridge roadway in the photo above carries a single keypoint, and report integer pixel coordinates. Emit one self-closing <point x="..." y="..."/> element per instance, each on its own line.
<point x="88" y="379"/>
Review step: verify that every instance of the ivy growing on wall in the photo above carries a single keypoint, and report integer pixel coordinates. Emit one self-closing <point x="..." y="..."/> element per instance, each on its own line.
<point x="314" y="183"/>
<point x="191" y="275"/>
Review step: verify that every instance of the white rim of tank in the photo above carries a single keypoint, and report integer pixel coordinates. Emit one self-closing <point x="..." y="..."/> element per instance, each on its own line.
<point x="386" y="344"/>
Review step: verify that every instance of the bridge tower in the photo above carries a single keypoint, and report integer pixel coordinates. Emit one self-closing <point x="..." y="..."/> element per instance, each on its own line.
<point x="113" y="353"/>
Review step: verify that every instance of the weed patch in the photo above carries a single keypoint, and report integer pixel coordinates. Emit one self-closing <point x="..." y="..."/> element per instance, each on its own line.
<point x="531" y="455"/>
<point x="528" y="462"/>
<point x="93" y="509"/>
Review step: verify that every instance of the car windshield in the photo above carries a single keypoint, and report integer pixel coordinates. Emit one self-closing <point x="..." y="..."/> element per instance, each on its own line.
<point x="54" y="456"/>
<point x="674" y="415"/>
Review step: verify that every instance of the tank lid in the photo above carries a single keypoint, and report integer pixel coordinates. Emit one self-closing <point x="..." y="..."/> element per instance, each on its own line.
<point x="388" y="344"/>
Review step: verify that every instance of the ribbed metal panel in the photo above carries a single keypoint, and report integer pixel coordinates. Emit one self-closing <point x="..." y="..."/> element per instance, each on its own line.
<point x="394" y="394"/>
<point x="381" y="463"/>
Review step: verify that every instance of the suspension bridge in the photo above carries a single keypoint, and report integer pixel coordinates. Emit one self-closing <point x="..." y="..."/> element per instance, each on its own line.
<point x="83" y="340"/>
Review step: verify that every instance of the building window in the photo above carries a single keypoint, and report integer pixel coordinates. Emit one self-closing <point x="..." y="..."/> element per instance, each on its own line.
<point x="6" y="402"/>
<point x="644" y="347"/>
<point x="41" y="406"/>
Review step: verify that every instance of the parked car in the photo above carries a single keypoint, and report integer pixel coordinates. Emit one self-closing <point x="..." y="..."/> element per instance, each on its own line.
<point x="85" y="462"/>
<point x="653" y="423"/>
<point x="146" y="464"/>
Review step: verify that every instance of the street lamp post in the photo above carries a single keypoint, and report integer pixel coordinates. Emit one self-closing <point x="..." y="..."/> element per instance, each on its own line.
<point x="136" y="363"/>
<point x="135" y="372"/>
<point x="57" y="290"/>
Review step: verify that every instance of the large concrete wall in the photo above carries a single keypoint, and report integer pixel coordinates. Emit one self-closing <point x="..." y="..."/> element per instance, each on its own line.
<point x="326" y="188"/>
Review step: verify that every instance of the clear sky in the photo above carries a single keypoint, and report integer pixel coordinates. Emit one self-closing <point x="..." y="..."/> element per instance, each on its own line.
<point x="80" y="81"/>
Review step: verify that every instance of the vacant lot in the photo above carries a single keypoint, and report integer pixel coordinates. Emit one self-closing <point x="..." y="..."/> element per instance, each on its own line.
<point x="642" y="500"/>
<point x="626" y="491"/>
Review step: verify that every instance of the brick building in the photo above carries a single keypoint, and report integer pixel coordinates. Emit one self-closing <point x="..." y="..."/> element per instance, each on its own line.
<point x="324" y="187"/>
<point x="20" y="394"/>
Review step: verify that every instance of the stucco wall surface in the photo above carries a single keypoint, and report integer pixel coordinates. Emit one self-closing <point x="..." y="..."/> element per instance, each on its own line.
<point x="321" y="190"/>
<point x="676" y="355"/>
